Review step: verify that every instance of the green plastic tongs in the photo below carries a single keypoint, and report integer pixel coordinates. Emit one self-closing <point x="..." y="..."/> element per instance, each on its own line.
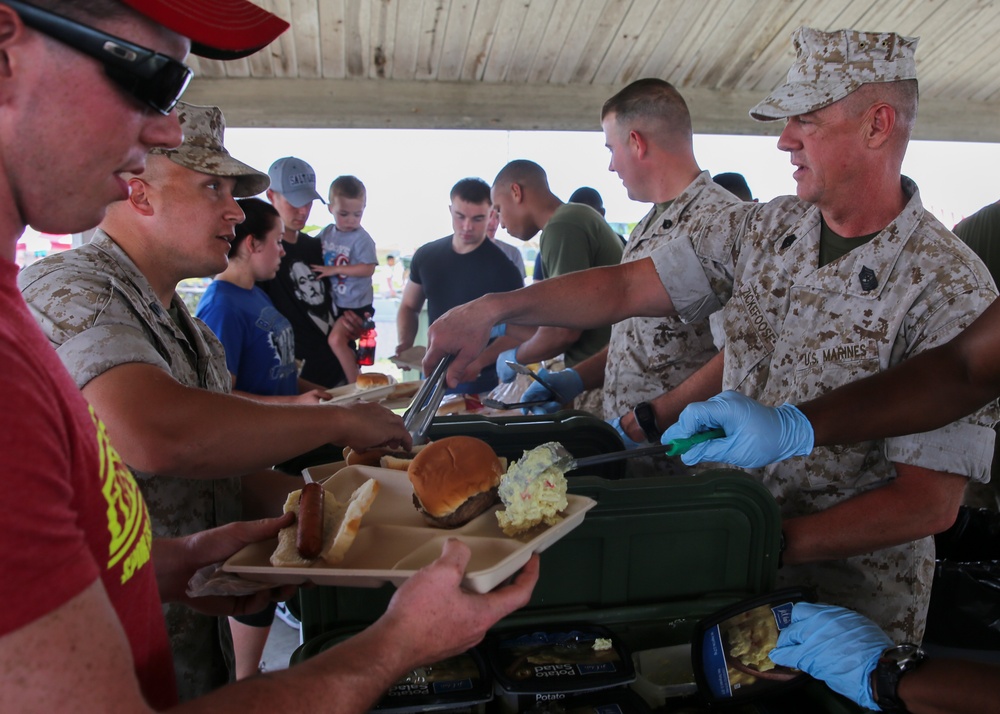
<point x="674" y="447"/>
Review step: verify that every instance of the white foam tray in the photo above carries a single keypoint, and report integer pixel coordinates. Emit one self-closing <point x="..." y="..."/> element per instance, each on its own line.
<point x="394" y="541"/>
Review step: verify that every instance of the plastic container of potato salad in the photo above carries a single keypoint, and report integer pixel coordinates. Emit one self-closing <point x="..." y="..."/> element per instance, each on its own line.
<point x="729" y="649"/>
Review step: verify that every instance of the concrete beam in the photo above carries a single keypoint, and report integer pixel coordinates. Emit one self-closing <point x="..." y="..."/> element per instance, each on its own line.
<point x="373" y="104"/>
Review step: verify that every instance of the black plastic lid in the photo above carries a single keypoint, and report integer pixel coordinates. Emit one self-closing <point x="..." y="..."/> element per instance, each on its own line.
<point x="571" y="658"/>
<point x="729" y="648"/>
<point x="610" y="701"/>
<point x="458" y="681"/>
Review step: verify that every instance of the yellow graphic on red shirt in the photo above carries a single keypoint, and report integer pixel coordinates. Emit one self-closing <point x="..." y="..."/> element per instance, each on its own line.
<point x="128" y="520"/>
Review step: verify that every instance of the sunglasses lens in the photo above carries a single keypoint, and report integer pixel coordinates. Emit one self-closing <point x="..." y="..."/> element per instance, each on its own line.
<point x="160" y="89"/>
<point x="165" y="87"/>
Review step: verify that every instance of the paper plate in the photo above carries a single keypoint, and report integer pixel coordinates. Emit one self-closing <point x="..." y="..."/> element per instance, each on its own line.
<point x="350" y="393"/>
<point x="410" y="359"/>
<point x="394" y="541"/>
<point x="402" y="395"/>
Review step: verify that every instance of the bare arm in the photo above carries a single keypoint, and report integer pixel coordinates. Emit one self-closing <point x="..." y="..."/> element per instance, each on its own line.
<point x="950" y="686"/>
<point x="166" y="428"/>
<point x="346" y="356"/>
<point x="488" y="357"/>
<point x="408" y="316"/>
<point x="44" y="671"/>
<point x="546" y="343"/>
<point x="917" y="503"/>
<point x="309" y="393"/>
<point x="354" y="270"/>
<point x="580" y="300"/>
<point x="591" y="370"/>
<point x="701" y="385"/>
<point x="925" y="392"/>
<point x="346" y="328"/>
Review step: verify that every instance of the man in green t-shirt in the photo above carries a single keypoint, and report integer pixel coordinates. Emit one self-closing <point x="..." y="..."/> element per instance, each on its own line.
<point x="574" y="237"/>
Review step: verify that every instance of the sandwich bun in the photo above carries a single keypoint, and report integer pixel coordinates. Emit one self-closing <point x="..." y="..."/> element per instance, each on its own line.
<point x="371" y="380"/>
<point x="341" y="522"/>
<point x="396" y="463"/>
<point x="454" y="480"/>
<point x="373" y="457"/>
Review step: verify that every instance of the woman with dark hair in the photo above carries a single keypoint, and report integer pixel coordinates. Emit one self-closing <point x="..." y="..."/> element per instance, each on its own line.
<point x="260" y="356"/>
<point x="259" y="343"/>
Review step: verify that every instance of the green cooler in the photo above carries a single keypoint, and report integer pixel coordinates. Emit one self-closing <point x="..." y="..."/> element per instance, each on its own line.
<point x="652" y="558"/>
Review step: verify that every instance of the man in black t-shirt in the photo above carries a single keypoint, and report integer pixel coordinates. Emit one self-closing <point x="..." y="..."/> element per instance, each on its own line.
<point x="296" y="291"/>
<point x="455" y="269"/>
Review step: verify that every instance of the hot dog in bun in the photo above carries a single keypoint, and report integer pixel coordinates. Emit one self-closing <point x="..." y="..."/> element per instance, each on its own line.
<point x="341" y="522"/>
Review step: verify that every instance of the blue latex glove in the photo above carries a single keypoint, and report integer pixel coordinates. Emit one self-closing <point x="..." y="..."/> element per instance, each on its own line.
<point x="498" y="330"/>
<point x="835" y="645"/>
<point x="629" y="444"/>
<point x="505" y="373"/>
<point x="567" y="382"/>
<point x="755" y="435"/>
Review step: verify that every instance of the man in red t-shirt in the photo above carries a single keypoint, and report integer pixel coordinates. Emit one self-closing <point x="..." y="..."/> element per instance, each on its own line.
<point x="80" y="622"/>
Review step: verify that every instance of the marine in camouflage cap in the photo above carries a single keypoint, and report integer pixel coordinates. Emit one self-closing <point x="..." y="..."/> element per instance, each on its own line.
<point x="203" y="150"/>
<point x="830" y="65"/>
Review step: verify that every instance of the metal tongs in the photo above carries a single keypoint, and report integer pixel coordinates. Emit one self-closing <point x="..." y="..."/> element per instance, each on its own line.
<point x="521" y="369"/>
<point x="424" y="406"/>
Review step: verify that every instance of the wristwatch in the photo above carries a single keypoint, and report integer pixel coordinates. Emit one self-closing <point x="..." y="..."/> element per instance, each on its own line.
<point x="892" y="665"/>
<point x="645" y="417"/>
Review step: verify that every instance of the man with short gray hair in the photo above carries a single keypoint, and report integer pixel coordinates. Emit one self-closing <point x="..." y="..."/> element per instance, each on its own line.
<point x="846" y="279"/>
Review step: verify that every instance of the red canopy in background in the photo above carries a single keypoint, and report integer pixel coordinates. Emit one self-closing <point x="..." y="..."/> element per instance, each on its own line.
<point x="34" y="245"/>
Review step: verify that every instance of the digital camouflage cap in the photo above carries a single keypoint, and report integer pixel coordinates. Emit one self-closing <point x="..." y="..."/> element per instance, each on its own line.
<point x="203" y="150"/>
<point x="830" y="65"/>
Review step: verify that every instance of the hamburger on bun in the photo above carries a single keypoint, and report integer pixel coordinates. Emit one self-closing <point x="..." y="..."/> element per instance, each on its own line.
<point x="341" y="522"/>
<point x="454" y="480"/>
<point x="371" y="380"/>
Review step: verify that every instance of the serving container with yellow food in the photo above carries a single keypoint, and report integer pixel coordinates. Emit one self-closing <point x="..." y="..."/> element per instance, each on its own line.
<point x="730" y="648"/>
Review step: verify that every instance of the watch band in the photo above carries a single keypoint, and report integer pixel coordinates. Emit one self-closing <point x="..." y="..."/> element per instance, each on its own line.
<point x="645" y="417"/>
<point x="892" y="665"/>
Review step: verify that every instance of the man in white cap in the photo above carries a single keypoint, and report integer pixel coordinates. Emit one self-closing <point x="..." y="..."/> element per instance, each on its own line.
<point x="845" y="279"/>
<point x="89" y="89"/>
<point x="300" y="295"/>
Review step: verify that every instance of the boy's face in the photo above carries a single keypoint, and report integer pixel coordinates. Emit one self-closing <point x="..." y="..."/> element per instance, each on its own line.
<point x="347" y="212"/>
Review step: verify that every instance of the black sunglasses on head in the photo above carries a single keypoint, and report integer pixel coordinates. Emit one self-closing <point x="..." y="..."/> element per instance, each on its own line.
<point x="152" y="78"/>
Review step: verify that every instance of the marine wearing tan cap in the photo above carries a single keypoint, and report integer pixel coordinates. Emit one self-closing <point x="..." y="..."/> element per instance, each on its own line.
<point x="203" y="150"/>
<point x="830" y="65"/>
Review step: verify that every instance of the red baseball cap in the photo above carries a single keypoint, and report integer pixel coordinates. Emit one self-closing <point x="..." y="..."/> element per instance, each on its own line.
<point x="218" y="29"/>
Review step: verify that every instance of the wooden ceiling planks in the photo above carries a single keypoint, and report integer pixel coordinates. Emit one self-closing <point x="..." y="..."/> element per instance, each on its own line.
<point x="720" y="52"/>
